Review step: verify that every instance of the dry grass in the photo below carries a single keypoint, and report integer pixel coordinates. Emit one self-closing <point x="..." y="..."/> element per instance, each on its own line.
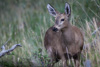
<point x="26" y="23"/>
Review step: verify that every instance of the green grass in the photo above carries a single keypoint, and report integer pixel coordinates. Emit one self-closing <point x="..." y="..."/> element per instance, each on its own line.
<point x="26" y="22"/>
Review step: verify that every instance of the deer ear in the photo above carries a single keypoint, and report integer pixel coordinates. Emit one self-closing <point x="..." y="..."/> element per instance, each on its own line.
<point x="67" y="9"/>
<point x="51" y="10"/>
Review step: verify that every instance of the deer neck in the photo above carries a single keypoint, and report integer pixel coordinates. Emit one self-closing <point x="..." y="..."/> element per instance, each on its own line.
<point x="67" y="28"/>
<point x="67" y="34"/>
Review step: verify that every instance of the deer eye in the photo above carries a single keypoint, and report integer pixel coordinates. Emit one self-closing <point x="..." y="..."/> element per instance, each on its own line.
<point x="62" y="19"/>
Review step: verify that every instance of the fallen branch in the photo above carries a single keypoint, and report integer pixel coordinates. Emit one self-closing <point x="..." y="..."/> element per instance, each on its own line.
<point x="3" y="52"/>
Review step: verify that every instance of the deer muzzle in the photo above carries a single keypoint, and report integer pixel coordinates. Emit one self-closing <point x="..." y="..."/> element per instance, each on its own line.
<point x="55" y="29"/>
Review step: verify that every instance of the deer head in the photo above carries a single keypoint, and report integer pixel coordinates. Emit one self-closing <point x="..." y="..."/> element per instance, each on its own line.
<point x="61" y="19"/>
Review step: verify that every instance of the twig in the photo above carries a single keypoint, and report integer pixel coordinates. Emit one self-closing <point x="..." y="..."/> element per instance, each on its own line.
<point x="3" y="52"/>
<point x="7" y="41"/>
<point x="94" y="32"/>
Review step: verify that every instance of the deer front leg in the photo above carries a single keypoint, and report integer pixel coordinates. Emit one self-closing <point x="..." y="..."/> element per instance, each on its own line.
<point x="51" y="63"/>
<point x="51" y="56"/>
<point x="77" y="60"/>
<point x="64" y="61"/>
<point x="77" y="63"/>
<point x="54" y="57"/>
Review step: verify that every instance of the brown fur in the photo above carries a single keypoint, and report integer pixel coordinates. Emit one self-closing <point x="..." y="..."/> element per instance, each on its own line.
<point x="56" y="43"/>
<point x="65" y="44"/>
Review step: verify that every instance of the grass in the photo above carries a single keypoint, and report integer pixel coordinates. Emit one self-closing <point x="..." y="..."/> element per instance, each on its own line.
<point x="26" y="22"/>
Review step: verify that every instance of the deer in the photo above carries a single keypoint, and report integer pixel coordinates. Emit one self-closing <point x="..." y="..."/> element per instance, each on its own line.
<point x="63" y="40"/>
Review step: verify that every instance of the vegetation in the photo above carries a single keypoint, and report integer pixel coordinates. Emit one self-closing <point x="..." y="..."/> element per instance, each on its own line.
<point x="26" y="21"/>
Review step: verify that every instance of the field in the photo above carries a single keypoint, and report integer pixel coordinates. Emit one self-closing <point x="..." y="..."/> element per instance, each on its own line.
<point x="26" y="21"/>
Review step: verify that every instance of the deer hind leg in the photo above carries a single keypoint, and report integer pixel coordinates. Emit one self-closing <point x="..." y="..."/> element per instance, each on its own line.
<point x="77" y="59"/>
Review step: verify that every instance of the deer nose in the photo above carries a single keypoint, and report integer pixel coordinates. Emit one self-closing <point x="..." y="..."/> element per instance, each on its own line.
<point x="55" y="29"/>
